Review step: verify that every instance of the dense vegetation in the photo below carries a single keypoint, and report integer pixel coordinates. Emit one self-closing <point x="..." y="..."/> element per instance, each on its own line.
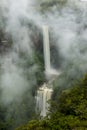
<point x="69" y="112"/>
<point x="68" y="107"/>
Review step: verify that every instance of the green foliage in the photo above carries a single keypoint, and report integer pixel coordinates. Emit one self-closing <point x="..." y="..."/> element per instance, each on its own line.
<point x="47" y="5"/>
<point x="69" y="112"/>
<point x="34" y="125"/>
<point x="72" y="103"/>
<point x="38" y="59"/>
<point x="4" y="124"/>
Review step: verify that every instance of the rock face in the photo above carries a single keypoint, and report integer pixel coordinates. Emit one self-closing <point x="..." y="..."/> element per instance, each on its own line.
<point x="5" y="42"/>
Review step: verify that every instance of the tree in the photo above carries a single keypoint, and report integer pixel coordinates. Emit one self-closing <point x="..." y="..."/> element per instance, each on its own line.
<point x="67" y="113"/>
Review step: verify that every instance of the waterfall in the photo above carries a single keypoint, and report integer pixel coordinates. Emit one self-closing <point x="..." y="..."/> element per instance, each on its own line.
<point x="43" y="96"/>
<point x="45" y="91"/>
<point x="46" y="47"/>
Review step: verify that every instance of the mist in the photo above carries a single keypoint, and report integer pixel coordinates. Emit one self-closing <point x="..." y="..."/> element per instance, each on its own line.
<point x="66" y="26"/>
<point x="68" y="34"/>
<point x="14" y="81"/>
<point x="68" y="29"/>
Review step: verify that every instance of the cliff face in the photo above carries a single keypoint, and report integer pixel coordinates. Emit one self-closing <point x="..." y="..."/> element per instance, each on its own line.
<point x="5" y="42"/>
<point x="37" y="43"/>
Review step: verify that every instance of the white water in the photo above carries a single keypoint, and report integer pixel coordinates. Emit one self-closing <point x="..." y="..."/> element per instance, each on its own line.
<point x="45" y="91"/>
<point x="46" y="47"/>
<point x="43" y="96"/>
<point x="49" y="71"/>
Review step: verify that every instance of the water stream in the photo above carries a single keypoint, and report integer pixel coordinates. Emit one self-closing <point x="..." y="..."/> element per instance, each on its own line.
<point x="43" y="96"/>
<point x="45" y="91"/>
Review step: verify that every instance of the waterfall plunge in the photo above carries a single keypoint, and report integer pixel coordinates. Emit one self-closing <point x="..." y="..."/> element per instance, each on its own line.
<point x="49" y="71"/>
<point x="45" y="91"/>
<point x="46" y="49"/>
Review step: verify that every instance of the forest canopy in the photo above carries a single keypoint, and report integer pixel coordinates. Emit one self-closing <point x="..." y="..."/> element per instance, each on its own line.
<point x="69" y="112"/>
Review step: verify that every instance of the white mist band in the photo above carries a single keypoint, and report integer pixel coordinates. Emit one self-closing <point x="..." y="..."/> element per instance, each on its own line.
<point x="83" y="0"/>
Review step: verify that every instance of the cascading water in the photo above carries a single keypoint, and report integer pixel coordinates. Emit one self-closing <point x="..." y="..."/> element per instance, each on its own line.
<point x="46" y="49"/>
<point x="45" y="91"/>
<point x="43" y="96"/>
